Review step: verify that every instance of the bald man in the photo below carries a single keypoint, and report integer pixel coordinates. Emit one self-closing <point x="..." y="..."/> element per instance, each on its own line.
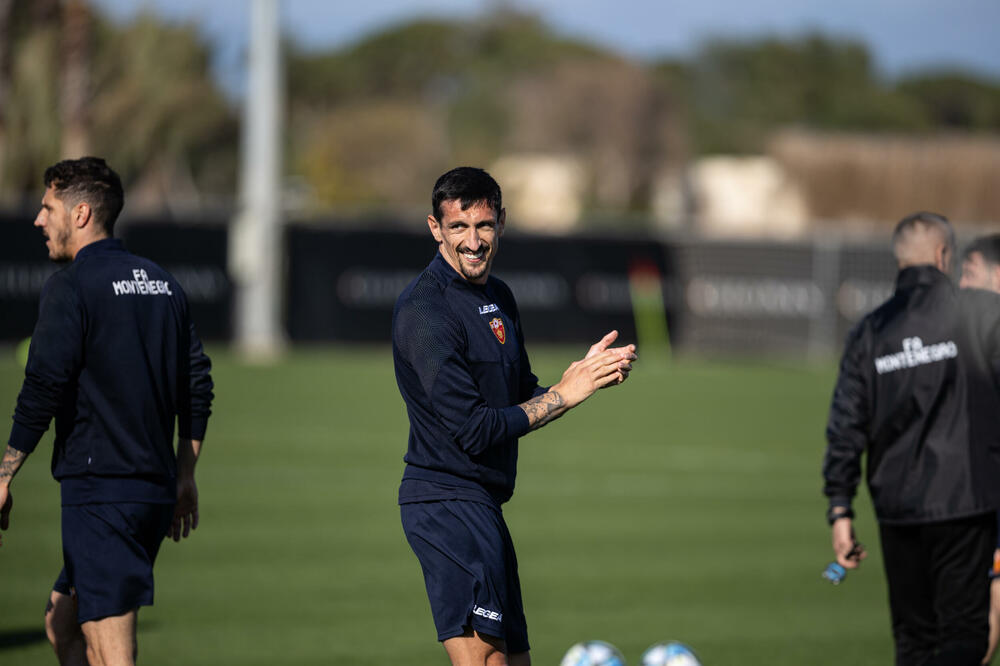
<point x="918" y="392"/>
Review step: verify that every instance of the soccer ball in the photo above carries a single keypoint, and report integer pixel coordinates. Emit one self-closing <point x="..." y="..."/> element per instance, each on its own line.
<point x="669" y="654"/>
<point x="593" y="653"/>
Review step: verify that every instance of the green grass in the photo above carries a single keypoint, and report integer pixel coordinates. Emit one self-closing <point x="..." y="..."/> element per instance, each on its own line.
<point x="684" y="504"/>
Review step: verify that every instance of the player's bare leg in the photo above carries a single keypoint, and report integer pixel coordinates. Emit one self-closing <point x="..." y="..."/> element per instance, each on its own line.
<point x="63" y="630"/>
<point x="111" y="640"/>
<point x="475" y="649"/>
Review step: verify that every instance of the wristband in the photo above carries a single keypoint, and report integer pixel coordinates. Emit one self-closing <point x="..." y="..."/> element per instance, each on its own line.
<point x="836" y="512"/>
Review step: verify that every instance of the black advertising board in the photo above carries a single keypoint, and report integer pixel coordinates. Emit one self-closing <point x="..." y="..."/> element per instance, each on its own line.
<point x="24" y="268"/>
<point x="342" y="284"/>
<point x="195" y="255"/>
<point x="748" y="295"/>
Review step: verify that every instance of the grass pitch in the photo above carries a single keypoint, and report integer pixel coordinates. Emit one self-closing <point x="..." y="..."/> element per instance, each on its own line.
<point x="683" y="505"/>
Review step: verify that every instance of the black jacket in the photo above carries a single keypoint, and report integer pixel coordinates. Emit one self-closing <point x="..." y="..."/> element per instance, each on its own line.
<point x="462" y="370"/>
<point x="115" y="360"/>
<point x="918" y="389"/>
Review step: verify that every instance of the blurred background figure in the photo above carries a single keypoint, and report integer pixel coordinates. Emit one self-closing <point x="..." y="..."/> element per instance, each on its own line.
<point x="917" y="395"/>
<point x="981" y="270"/>
<point x="981" y="264"/>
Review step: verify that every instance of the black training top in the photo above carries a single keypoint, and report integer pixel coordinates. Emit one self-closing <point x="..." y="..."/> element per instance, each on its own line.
<point x="918" y="390"/>
<point x="115" y="359"/>
<point x="462" y="370"/>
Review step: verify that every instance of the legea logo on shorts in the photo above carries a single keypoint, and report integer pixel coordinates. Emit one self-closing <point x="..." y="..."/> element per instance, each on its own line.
<point x="488" y="614"/>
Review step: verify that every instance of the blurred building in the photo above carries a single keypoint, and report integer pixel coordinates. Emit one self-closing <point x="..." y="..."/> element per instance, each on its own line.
<point x="542" y="192"/>
<point x="746" y="197"/>
<point x="864" y="181"/>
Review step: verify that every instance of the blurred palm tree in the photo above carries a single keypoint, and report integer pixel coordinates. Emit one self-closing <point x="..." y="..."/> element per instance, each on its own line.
<point x="374" y="122"/>
<point x="6" y="7"/>
<point x="75" y="80"/>
<point x="159" y="115"/>
<point x="30" y="103"/>
<point x="141" y="95"/>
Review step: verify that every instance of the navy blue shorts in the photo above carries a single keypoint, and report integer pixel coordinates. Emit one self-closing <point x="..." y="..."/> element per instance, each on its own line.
<point x="108" y="555"/>
<point x="470" y="569"/>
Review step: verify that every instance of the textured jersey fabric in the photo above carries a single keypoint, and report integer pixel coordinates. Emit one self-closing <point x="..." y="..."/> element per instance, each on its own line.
<point x="462" y="370"/>
<point x="115" y="360"/>
<point x="918" y="390"/>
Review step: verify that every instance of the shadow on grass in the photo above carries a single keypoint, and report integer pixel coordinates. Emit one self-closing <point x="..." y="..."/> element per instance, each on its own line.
<point x="147" y="625"/>
<point x="16" y="638"/>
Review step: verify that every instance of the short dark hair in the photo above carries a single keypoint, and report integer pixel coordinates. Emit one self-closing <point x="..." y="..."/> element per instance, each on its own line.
<point x="926" y="219"/>
<point x="470" y="186"/>
<point x="988" y="246"/>
<point x="89" y="179"/>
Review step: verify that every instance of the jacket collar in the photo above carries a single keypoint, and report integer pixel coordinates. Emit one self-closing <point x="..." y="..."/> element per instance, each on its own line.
<point x="103" y="245"/>
<point x="918" y="275"/>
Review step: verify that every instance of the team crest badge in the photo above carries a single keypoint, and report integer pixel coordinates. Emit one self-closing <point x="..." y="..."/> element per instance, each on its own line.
<point x="496" y="324"/>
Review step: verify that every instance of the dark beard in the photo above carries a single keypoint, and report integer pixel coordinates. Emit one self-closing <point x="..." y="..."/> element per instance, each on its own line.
<point x="60" y="244"/>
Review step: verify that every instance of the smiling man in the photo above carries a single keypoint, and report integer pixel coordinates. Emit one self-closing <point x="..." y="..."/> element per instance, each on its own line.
<point x="470" y="394"/>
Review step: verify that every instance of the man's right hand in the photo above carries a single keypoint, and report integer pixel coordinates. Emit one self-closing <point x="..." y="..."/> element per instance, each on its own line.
<point x="9" y="464"/>
<point x="847" y="549"/>
<point x="6" y="504"/>
<point x="604" y="344"/>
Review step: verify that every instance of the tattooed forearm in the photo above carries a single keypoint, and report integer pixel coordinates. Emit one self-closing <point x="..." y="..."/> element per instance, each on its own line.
<point x="544" y="408"/>
<point x="12" y="459"/>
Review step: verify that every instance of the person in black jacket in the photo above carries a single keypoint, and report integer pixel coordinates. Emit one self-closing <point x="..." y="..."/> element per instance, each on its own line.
<point x="981" y="264"/>
<point x="918" y="390"/>
<point x="115" y="360"/>
<point x="981" y="270"/>
<point x="464" y="375"/>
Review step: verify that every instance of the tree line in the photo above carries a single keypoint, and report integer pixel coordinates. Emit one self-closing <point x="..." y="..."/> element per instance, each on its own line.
<point x="370" y="123"/>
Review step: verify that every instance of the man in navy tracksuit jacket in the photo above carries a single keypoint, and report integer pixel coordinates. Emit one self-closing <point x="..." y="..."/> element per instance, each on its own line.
<point x="470" y="394"/>
<point x="114" y="359"/>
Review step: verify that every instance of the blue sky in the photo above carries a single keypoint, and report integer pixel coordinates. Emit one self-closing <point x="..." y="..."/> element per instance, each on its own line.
<point x="903" y="35"/>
